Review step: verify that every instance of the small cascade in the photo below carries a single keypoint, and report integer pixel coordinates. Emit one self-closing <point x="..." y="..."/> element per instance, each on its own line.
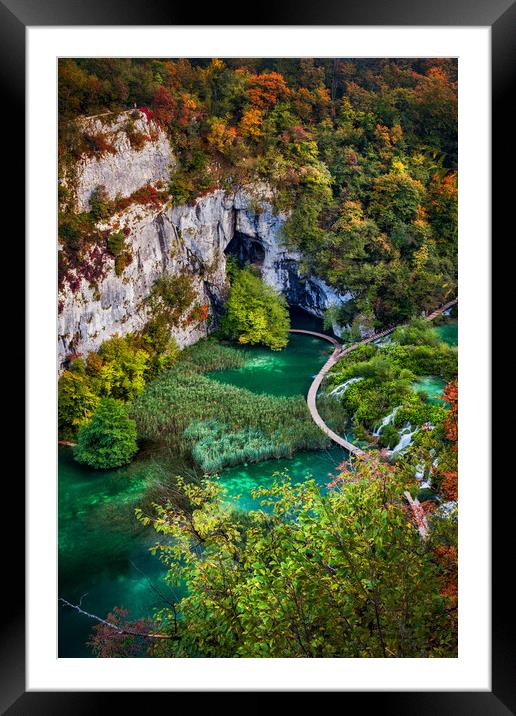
<point x="420" y="474"/>
<point x="406" y="434"/>
<point x="420" y="471"/>
<point x="386" y="421"/>
<point x="446" y="509"/>
<point x="341" y="389"/>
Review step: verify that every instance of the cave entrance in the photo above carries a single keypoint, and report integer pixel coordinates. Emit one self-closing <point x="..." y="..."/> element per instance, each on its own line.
<point x="246" y="250"/>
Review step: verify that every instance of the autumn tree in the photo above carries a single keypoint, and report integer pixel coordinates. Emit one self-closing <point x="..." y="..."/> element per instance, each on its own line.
<point x="251" y="124"/>
<point x="266" y="89"/>
<point x="77" y="400"/>
<point x="395" y="199"/>
<point x="163" y="106"/>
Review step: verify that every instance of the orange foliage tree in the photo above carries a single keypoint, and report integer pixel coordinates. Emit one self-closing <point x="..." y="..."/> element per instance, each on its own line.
<point x="251" y="124"/>
<point x="450" y="477"/>
<point x="265" y="90"/>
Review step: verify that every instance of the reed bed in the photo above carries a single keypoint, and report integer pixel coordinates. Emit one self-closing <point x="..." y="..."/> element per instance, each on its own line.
<point x="179" y="408"/>
<point x="207" y="355"/>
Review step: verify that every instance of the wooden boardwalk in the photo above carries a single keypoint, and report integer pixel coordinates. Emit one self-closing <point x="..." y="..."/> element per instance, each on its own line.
<point x="335" y="357"/>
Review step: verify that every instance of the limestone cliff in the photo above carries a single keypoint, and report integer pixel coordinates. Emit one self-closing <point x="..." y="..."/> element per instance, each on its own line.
<point x="191" y="239"/>
<point x="138" y="154"/>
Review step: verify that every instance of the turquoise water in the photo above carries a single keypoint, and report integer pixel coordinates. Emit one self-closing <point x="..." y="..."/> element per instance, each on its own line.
<point x="432" y="385"/>
<point x="449" y="331"/>
<point x="239" y="481"/>
<point x="286" y="372"/>
<point x="103" y="551"/>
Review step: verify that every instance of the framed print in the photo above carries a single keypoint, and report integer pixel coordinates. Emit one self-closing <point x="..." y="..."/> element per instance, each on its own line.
<point x="258" y="428"/>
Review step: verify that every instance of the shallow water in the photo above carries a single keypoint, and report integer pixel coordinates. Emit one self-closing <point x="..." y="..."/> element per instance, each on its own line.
<point x="449" y="331"/>
<point x="286" y="372"/>
<point x="239" y="481"/>
<point x="432" y="385"/>
<point x="103" y="551"/>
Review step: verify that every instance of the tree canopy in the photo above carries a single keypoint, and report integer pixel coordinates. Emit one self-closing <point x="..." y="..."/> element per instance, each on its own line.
<point x="108" y="439"/>
<point x="255" y="313"/>
<point x="342" y="574"/>
<point x="332" y="138"/>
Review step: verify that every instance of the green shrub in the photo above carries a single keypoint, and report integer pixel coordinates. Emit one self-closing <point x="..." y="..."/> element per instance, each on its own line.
<point x="108" y="439"/>
<point x="101" y="207"/>
<point x="389" y="436"/>
<point x="116" y="242"/>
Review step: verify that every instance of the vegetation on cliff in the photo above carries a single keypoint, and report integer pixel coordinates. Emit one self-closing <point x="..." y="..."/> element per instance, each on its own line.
<point x="362" y="153"/>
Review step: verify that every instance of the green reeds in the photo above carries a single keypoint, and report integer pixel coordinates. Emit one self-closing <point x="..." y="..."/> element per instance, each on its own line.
<point x="225" y="425"/>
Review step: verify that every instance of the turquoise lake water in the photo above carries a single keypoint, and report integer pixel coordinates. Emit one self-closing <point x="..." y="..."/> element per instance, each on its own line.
<point x="104" y="553"/>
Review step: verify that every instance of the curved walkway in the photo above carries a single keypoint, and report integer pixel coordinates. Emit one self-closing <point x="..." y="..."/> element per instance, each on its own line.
<point x="324" y="337"/>
<point x="335" y="357"/>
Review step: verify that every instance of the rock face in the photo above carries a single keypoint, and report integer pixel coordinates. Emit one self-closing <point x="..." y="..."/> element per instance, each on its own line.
<point x="128" y="168"/>
<point x="192" y="240"/>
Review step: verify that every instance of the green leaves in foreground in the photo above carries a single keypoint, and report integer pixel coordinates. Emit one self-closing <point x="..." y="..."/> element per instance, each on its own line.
<point x="108" y="440"/>
<point x="342" y="574"/>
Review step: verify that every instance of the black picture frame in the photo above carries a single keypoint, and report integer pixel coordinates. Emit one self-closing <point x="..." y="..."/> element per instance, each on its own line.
<point x="15" y="16"/>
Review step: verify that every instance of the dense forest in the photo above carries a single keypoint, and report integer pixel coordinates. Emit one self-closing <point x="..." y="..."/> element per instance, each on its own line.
<point x="360" y="157"/>
<point x="361" y="153"/>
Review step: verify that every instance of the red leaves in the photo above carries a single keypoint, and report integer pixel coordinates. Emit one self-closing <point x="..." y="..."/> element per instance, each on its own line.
<point x="449" y="485"/>
<point x="106" y="642"/>
<point x="198" y="314"/>
<point x="147" y="112"/>
<point x="448" y="560"/>
<point x="451" y="395"/>
<point x="97" y="145"/>
<point x="148" y="195"/>
<point x="164" y="106"/>
<point x="448" y="472"/>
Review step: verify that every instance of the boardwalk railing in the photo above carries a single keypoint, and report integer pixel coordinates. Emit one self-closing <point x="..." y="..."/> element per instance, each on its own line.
<point x="335" y="357"/>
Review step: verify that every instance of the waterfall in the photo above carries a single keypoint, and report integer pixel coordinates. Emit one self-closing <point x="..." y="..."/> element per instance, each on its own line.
<point x="420" y="471"/>
<point x="446" y="509"/>
<point x="341" y="389"/>
<point x="406" y="434"/>
<point x="420" y="474"/>
<point x="388" y="419"/>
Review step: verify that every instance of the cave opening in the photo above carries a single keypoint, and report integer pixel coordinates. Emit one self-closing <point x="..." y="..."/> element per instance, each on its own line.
<point x="246" y="250"/>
